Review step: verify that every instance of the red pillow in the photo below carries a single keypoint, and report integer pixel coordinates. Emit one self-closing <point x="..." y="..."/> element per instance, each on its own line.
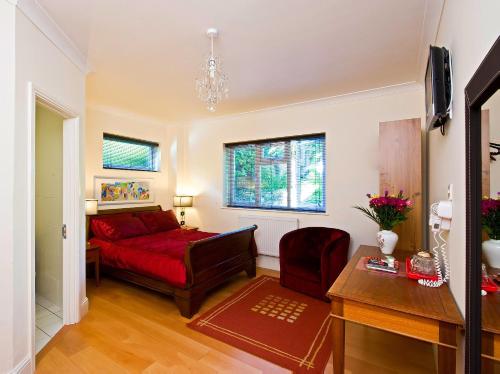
<point x="116" y="227"/>
<point x="159" y="220"/>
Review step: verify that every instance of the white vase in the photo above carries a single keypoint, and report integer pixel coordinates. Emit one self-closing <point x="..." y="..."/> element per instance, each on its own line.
<point x="491" y="250"/>
<point x="387" y="241"/>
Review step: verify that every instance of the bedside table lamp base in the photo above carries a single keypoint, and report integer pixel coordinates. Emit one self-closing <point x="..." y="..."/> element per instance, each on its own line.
<point x="183" y="202"/>
<point x="183" y="217"/>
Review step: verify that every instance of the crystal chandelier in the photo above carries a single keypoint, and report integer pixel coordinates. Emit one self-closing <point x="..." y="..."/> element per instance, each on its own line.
<point x="211" y="86"/>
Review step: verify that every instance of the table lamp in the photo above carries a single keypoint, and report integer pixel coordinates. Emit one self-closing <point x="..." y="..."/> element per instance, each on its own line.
<point x="183" y="202"/>
<point x="90" y="207"/>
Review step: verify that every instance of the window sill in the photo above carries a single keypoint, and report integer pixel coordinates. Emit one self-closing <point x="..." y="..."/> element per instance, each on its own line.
<point x="276" y="211"/>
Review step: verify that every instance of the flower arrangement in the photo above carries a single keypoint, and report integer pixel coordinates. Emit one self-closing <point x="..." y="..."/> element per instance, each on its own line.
<point x="387" y="210"/>
<point x="490" y="216"/>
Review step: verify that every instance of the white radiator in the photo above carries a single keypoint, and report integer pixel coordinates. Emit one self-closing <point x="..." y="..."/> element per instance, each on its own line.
<point x="269" y="231"/>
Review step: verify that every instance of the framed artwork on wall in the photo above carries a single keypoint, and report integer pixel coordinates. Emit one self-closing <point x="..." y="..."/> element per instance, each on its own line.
<point x="115" y="191"/>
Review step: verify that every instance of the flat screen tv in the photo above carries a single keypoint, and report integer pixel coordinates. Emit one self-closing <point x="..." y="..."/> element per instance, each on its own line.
<point x="438" y="88"/>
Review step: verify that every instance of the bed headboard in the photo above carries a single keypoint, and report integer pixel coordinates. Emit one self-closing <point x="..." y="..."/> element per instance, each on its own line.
<point x="105" y="212"/>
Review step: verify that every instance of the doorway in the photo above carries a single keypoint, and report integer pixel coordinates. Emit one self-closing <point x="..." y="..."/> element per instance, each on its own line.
<point x="49" y="202"/>
<point x="56" y="224"/>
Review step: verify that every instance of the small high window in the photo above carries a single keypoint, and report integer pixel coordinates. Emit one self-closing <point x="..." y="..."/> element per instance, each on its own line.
<point x="119" y="152"/>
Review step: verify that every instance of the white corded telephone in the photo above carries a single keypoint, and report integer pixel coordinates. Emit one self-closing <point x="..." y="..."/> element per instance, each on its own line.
<point x="439" y="221"/>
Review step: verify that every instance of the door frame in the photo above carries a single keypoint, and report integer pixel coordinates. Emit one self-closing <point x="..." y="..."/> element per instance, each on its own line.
<point x="74" y="300"/>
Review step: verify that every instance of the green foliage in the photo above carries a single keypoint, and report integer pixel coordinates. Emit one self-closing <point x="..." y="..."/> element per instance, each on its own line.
<point x="273" y="183"/>
<point x="383" y="217"/>
<point x="274" y="151"/>
<point x="244" y="161"/>
<point x="316" y="197"/>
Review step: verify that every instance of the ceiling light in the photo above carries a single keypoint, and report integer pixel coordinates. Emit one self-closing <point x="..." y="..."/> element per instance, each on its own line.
<point x="211" y="86"/>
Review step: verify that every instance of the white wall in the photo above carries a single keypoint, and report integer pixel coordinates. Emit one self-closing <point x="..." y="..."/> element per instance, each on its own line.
<point x="351" y="124"/>
<point x="7" y="92"/>
<point x="39" y="61"/>
<point x="49" y="205"/>
<point x="101" y="120"/>
<point x="468" y="29"/>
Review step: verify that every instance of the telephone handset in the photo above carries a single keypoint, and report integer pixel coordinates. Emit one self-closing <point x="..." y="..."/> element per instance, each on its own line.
<point x="439" y="221"/>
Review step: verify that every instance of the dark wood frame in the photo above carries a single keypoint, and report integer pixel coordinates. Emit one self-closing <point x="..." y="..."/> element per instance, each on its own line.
<point x="209" y="263"/>
<point x="483" y="84"/>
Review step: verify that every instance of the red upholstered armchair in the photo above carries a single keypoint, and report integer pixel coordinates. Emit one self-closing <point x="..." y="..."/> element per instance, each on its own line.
<point x="312" y="258"/>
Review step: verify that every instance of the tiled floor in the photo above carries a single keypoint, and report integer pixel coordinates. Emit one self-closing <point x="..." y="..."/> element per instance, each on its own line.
<point x="48" y="322"/>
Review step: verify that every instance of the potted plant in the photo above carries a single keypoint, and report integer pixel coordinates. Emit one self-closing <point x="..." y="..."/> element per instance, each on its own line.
<point x="387" y="211"/>
<point x="490" y="219"/>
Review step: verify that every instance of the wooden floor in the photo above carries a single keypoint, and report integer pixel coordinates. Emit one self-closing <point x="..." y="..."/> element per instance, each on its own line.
<point x="132" y="330"/>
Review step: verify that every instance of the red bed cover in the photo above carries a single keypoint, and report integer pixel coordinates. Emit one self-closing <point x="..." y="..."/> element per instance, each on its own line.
<point x="159" y="256"/>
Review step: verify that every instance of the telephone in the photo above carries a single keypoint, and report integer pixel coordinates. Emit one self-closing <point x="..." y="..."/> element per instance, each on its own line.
<point x="439" y="221"/>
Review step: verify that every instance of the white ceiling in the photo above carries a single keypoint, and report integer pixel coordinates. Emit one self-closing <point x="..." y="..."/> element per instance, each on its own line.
<point x="145" y="55"/>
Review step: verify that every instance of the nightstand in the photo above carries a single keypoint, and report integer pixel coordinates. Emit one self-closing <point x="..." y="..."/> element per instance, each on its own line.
<point x="92" y="255"/>
<point x="189" y="228"/>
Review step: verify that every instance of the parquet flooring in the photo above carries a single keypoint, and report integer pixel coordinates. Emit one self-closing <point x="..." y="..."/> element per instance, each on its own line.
<point x="132" y="330"/>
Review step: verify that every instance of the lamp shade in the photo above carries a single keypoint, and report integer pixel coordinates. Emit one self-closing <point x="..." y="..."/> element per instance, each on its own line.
<point x="183" y="201"/>
<point x="90" y="207"/>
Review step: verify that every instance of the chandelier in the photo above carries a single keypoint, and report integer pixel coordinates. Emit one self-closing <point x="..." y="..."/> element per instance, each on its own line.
<point x="211" y="85"/>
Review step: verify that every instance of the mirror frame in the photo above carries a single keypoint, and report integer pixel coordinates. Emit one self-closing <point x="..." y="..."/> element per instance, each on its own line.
<point x="483" y="84"/>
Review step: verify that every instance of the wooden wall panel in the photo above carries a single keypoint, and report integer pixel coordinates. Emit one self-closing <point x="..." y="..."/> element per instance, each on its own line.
<point x="485" y="157"/>
<point x="400" y="159"/>
<point x="485" y="152"/>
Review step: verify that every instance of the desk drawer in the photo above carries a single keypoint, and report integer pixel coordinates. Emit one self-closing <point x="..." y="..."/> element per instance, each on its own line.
<point x="389" y="320"/>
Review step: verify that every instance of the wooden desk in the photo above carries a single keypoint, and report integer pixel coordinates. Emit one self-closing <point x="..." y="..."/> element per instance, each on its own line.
<point x="490" y="348"/>
<point x="92" y="255"/>
<point x="395" y="304"/>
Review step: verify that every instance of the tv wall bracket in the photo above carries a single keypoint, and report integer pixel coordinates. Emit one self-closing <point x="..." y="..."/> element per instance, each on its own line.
<point x="496" y="151"/>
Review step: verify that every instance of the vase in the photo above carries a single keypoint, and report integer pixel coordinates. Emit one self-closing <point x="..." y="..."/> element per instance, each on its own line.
<point x="387" y="241"/>
<point x="491" y="250"/>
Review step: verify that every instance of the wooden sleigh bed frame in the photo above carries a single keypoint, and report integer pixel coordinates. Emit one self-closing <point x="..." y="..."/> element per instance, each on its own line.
<point x="209" y="262"/>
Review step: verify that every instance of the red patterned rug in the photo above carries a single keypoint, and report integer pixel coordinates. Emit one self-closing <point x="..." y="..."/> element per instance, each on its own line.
<point x="282" y="326"/>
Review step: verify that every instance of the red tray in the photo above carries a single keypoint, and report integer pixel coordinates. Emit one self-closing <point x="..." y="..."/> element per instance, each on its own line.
<point x="417" y="276"/>
<point x="488" y="285"/>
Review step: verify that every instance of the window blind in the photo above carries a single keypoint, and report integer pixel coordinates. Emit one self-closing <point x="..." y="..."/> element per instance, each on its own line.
<point x="282" y="173"/>
<point x="119" y="152"/>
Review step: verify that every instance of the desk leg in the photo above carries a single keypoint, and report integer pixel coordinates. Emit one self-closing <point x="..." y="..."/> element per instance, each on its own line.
<point x="338" y="332"/>
<point x="447" y="357"/>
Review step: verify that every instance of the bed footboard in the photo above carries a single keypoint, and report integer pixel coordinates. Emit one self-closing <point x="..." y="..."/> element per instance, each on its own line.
<point x="210" y="262"/>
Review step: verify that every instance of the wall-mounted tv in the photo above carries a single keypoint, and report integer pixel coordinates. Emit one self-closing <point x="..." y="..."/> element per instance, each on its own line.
<point x="438" y="88"/>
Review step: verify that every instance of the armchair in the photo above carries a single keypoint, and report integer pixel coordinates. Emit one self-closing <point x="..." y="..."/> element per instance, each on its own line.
<point x="311" y="258"/>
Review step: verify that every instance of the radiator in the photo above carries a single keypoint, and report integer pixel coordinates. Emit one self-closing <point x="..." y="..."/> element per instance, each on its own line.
<point x="269" y="232"/>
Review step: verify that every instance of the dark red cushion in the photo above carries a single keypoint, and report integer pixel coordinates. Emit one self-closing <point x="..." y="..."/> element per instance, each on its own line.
<point x="159" y="220"/>
<point x="307" y="269"/>
<point x="117" y="226"/>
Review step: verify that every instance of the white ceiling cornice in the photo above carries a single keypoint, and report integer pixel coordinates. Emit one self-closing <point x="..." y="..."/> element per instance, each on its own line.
<point x="42" y="20"/>
<point x="337" y="99"/>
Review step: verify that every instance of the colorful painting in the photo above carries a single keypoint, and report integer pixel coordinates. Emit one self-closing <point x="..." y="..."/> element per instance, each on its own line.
<point x="122" y="191"/>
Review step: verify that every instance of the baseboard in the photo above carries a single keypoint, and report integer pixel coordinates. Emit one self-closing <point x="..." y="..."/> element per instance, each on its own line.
<point x="84" y="307"/>
<point x="268" y="262"/>
<point x="23" y="367"/>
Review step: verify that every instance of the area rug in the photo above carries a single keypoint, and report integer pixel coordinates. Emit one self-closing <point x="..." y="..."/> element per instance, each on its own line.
<point x="272" y="322"/>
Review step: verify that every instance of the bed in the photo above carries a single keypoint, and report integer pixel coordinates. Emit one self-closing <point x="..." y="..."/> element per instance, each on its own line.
<point x="145" y="246"/>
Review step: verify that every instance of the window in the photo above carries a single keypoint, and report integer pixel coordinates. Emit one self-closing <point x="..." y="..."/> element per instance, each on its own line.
<point x="284" y="173"/>
<point x="119" y="152"/>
